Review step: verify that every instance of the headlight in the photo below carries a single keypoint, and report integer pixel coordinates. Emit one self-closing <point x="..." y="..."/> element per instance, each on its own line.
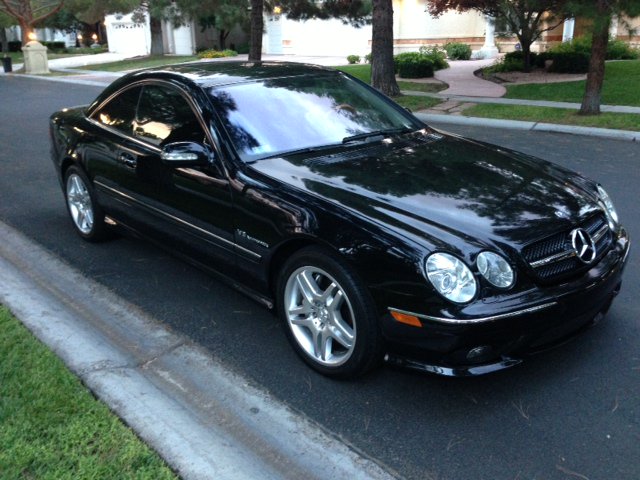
<point x="609" y="209"/>
<point x="495" y="269"/>
<point x="451" y="277"/>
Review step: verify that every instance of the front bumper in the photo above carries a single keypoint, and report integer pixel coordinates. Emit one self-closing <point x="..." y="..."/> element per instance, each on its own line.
<point x="499" y="339"/>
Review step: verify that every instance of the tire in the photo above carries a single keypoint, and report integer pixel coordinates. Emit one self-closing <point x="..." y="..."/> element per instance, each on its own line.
<point x="329" y="316"/>
<point x="86" y="215"/>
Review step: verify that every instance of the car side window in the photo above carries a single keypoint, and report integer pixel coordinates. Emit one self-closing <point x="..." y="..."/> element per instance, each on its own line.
<point x="120" y="111"/>
<point x="164" y="116"/>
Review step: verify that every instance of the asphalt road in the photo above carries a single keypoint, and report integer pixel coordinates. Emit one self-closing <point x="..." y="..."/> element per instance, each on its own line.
<point x="570" y="413"/>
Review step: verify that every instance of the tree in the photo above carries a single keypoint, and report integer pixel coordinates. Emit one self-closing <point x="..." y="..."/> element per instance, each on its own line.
<point x="255" y="33"/>
<point x="526" y="19"/>
<point x="224" y="18"/>
<point x="29" y="12"/>
<point x="600" y="12"/>
<point x="383" y="75"/>
<point x="5" y="21"/>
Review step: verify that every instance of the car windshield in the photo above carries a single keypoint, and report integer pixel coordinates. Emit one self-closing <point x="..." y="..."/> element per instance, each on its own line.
<point x="276" y="116"/>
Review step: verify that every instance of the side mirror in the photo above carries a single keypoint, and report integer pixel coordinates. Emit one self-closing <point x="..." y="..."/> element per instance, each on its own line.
<point x="186" y="154"/>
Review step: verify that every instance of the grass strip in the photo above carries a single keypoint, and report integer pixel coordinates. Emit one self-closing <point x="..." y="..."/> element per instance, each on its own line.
<point x="52" y="427"/>
<point x="140" y="62"/>
<point x="620" y="87"/>
<point x="619" y="121"/>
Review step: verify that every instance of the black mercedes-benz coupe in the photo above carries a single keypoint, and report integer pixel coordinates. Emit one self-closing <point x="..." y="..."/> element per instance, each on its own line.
<point x="373" y="235"/>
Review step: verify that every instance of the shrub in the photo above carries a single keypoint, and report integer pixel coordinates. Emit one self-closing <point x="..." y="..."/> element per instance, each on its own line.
<point x="436" y="55"/>
<point x="569" y="62"/>
<point x="616" y="49"/>
<point x="55" y="46"/>
<point x="458" y="51"/>
<point x="212" y="53"/>
<point x="413" y="65"/>
<point x="367" y="58"/>
<point x="619" y="50"/>
<point x="353" y="59"/>
<point x="506" y="64"/>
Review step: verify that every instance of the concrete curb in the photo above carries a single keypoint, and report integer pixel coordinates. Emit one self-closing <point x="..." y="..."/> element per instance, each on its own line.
<point x="204" y="420"/>
<point x="533" y="126"/>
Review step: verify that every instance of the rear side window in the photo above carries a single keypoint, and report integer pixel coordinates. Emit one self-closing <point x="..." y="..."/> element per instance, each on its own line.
<point x="164" y="116"/>
<point x="120" y="111"/>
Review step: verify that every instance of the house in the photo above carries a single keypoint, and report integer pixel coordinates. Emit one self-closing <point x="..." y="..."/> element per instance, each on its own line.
<point x="413" y="28"/>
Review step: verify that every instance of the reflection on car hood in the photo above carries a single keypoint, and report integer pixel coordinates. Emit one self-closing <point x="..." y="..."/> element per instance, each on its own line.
<point x="439" y="187"/>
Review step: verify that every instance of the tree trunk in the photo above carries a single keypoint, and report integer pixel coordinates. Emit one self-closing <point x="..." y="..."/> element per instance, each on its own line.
<point x="525" y="44"/>
<point x="157" y="46"/>
<point x="595" y="76"/>
<point x="4" y="43"/>
<point x="25" y="29"/>
<point x="222" y="37"/>
<point x="257" y="27"/>
<point x="383" y="76"/>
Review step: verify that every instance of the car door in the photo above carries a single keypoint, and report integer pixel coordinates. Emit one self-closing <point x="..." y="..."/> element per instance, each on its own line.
<point x="109" y="131"/>
<point x="190" y="210"/>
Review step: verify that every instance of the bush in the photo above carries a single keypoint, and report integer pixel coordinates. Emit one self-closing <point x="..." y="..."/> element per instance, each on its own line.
<point x="436" y="55"/>
<point x="367" y="58"/>
<point x="212" y="53"/>
<point x="619" y="50"/>
<point x="413" y="65"/>
<point x="55" y="46"/>
<point x="569" y="62"/>
<point x="616" y="49"/>
<point x="458" y="51"/>
<point x="353" y="59"/>
<point x="506" y="64"/>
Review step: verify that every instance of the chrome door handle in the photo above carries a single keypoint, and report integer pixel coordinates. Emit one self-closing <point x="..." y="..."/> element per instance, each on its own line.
<point x="128" y="160"/>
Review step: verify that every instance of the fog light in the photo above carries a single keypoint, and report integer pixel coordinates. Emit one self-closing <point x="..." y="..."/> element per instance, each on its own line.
<point x="480" y="354"/>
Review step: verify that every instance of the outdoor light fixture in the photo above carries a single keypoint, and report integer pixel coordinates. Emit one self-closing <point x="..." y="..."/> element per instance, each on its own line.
<point x="277" y="10"/>
<point x="94" y="37"/>
<point x="32" y="36"/>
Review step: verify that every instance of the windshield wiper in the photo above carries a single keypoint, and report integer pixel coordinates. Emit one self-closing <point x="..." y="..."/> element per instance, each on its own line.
<point x="286" y="153"/>
<point x="377" y="133"/>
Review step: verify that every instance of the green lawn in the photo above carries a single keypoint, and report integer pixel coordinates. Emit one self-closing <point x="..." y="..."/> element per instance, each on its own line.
<point x="621" y="121"/>
<point x="52" y="427"/>
<point x="140" y="62"/>
<point x="412" y="102"/>
<point x="363" y="72"/>
<point x="621" y="87"/>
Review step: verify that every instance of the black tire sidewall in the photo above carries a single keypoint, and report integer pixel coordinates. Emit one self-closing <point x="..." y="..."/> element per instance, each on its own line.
<point x="367" y="351"/>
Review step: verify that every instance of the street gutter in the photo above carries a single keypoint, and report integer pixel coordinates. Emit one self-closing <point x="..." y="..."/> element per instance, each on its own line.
<point x="206" y="421"/>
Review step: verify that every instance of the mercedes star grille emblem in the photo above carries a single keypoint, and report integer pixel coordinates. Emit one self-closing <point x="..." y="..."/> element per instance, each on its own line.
<point x="583" y="245"/>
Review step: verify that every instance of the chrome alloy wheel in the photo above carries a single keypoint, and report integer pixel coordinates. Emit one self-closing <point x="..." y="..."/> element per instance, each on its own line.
<point x="320" y="316"/>
<point x="79" y="202"/>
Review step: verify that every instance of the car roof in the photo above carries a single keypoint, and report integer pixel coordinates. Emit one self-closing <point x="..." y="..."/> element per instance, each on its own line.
<point x="205" y="74"/>
<point x="217" y="73"/>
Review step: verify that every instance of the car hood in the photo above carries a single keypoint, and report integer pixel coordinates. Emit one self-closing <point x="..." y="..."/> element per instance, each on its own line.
<point x="443" y="189"/>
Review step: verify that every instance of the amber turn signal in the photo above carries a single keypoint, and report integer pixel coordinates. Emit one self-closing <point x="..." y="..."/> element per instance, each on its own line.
<point x="408" y="319"/>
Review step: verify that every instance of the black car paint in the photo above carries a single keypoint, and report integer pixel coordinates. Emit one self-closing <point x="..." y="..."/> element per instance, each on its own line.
<point x="382" y="206"/>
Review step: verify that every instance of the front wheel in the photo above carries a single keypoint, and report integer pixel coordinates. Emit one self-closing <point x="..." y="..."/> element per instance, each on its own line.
<point x="86" y="214"/>
<point x="330" y="317"/>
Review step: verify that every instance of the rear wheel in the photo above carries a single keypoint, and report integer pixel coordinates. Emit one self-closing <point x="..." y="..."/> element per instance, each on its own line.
<point x="86" y="214"/>
<point x="330" y="317"/>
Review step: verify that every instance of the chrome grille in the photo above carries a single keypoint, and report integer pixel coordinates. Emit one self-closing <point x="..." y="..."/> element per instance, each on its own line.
<point x="553" y="258"/>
